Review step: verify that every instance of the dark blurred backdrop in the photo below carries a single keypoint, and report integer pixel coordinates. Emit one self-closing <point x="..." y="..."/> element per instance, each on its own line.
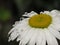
<point x="12" y="10"/>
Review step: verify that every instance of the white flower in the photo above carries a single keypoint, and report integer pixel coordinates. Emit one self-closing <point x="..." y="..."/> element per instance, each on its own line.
<point x="37" y="30"/>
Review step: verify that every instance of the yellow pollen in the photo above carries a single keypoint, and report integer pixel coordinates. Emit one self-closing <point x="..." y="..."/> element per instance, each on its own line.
<point x="40" y="21"/>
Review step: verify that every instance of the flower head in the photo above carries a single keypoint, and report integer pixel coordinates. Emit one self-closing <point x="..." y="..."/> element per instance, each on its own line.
<point x="37" y="28"/>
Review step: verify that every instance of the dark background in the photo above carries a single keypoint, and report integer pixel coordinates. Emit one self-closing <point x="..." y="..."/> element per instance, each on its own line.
<point x="12" y="10"/>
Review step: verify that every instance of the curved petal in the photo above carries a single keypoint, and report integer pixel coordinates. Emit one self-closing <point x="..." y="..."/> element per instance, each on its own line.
<point x="47" y="12"/>
<point x="24" y="40"/>
<point x="19" y="26"/>
<point x="54" y="13"/>
<point x="30" y="14"/>
<point x="54" y="32"/>
<point x="13" y="35"/>
<point x="39" y="38"/>
<point x="33" y="38"/>
<point x="24" y="33"/>
<point x="51" y="40"/>
<point x="44" y="39"/>
<point x="55" y="26"/>
<point x="56" y="20"/>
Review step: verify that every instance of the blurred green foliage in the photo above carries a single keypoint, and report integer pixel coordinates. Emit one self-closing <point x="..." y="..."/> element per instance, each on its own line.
<point x="4" y="14"/>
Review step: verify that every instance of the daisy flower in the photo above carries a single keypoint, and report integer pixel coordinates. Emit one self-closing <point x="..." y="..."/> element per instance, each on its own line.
<point x="37" y="29"/>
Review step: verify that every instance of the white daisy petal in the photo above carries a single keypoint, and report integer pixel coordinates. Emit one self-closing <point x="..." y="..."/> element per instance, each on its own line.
<point x="30" y="14"/>
<point x="39" y="38"/>
<point x="54" y="32"/>
<point x="56" y="27"/>
<point x="41" y="12"/>
<point x="54" y="13"/>
<point x="55" y="20"/>
<point x="27" y="37"/>
<point x="24" y="32"/>
<point x="16" y="23"/>
<point x="47" y="12"/>
<point x="44" y="39"/>
<point x="19" y="26"/>
<point x="33" y="38"/>
<point x="51" y="40"/>
<point x="13" y="35"/>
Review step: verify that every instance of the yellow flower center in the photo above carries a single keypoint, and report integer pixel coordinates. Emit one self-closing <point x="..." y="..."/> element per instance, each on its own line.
<point x="40" y="21"/>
